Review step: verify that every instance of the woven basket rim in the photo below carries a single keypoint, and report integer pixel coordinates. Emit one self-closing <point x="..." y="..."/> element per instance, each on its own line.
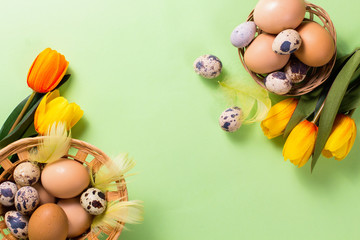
<point x="28" y="143"/>
<point x="318" y="75"/>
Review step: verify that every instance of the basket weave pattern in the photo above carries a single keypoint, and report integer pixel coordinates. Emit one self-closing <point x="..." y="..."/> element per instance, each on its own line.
<point x="85" y="153"/>
<point x="315" y="76"/>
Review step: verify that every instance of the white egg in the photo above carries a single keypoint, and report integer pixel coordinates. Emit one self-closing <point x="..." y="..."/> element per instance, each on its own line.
<point x="7" y="193"/>
<point x="93" y="201"/>
<point x="286" y="42"/>
<point x="231" y="119"/>
<point x="243" y="34"/>
<point x="278" y="83"/>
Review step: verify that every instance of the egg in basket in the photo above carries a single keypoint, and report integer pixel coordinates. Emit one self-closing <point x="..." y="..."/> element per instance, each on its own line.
<point x="287" y="46"/>
<point x="54" y="187"/>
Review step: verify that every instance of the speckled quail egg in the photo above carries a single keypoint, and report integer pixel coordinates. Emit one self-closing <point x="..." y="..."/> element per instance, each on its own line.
<point x="26" y="199"/>
<point x="278" y="83"/>
<point x="296" y="70"/>
<point x="93" y="201"/>
<point x="243" y="34"/>
<point x="230" y="120"/>
<point x="7" y="193"/>
<point x="286" y="42"/>
<point x="208" y="66"/>
<point x="17" y="223"/>
<point x="26" y="174"/>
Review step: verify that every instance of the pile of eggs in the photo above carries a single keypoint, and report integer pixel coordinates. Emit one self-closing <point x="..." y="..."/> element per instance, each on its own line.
<point x="51" y="202"/>
<point x="287" y="45"/>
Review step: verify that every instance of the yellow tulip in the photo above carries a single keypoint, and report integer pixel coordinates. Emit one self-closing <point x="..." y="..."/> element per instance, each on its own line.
<point x="341" y="138"/>
<point x="300" y="144"/>
<point x="47" y="70"/>
<point x="278" y="117"/>
<point x="53" y="109"/>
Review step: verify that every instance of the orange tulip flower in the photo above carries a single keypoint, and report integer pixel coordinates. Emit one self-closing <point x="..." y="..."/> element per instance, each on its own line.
<point x="44" y="75"/>
<point x="47" y="70"/>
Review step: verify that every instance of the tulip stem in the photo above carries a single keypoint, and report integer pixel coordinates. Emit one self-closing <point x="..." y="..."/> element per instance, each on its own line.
<point x="316" y="118"/>
<point x="23" y="111"/>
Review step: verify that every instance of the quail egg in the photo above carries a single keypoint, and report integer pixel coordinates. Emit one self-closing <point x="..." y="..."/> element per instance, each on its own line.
<point x="26" y="174"/>
<point x="26" y="199"/>
<point x="17" y="223"/>
<point x="7" y="193"/>
<point x="243" y="34"/>
<point x="296" y="70"/>
<point x="93" y="201"/>
<point x="278" y="83"/>
<point x="286" y="42"/>
<point x="208" y="66"/>
<point x="230" y="120"/>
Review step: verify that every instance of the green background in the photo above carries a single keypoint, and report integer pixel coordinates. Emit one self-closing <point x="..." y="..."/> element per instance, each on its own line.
<point x="131" y="66"/>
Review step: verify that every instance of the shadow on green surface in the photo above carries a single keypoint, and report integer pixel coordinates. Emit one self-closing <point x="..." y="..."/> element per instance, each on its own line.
<point x="242" y="135"/>
<point x="213" y="83"/>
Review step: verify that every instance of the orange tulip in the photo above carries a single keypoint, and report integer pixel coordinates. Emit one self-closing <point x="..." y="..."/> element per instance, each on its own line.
<point x="47" y="70"/>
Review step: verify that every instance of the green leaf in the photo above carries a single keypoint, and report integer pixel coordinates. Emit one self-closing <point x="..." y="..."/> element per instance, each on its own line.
<point x="332" y="104"/>
<point x="304" y="109"/>
<point x="24" y="124"/>
<point x="63" y="80"/>
<point x="352" y="97"/>
<point x="15" y="113"/>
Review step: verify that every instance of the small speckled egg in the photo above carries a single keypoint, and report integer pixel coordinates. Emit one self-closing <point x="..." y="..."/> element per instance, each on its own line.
<point x="93" y="201"/>
<point x="26" y="174"/>
<point x="278" y="83"/>
<point x="7" y="193"/>
<point x="230" y="120"/>
<point x="26" y="199"/>
<point x="17" y="223"/>
<point x="243" y="34"/>
<point x="286" y="42"/>
<point x="208" y="66"/>
<point x="295" y="70"/>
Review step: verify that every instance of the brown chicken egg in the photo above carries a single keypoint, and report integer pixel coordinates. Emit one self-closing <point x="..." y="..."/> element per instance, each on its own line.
<point x="274" y="16"/>
<point x="44" y="196"/>
<point x="260" y="58"/>
<point x="317" y="47"/>
<point x="48" y="222"/>
<point x="79" y="219"/>
<point x="65" y="178"/>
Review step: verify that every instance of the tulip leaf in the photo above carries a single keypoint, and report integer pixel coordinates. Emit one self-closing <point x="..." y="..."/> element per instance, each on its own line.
<point x="304" y="109"/>
<point x="15" y="113"/>
<point x="63" y="80"/>
<point x="23" y="125"/>
<point x="332" y="104"/>
<point x="352" y="97"/>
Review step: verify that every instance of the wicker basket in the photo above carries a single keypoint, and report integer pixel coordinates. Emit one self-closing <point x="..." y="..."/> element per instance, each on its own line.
<point x="315" y="76"/>
<point x="84" y="153"/>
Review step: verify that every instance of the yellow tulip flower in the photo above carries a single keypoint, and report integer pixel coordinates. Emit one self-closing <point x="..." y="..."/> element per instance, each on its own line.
<point x="53" y="109"/>
<point x="341" y="138"/>
<point x="300" y="144"/>
<point x="47" y="70"/>
<point x="278" y="117"/>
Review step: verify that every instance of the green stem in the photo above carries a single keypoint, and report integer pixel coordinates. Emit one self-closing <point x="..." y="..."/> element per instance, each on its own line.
<point x="23" y="111"/>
